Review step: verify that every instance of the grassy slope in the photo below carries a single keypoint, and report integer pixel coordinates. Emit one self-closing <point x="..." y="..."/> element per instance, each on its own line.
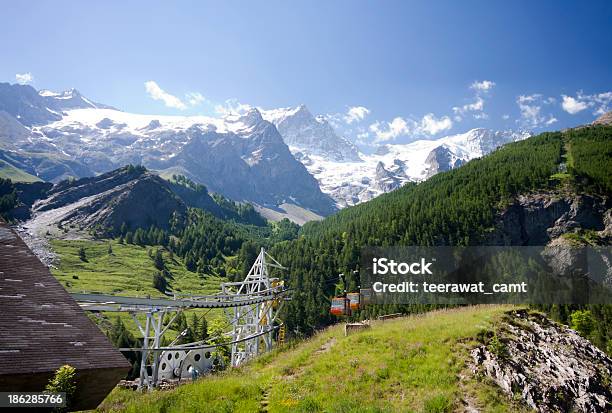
<point x="15" y="174"/>
<point x="409" y="364"/>
<point x="129" y="272"/>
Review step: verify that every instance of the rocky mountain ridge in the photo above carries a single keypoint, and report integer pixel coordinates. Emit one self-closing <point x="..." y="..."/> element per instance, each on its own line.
<point x="31" y="107"/>
<point x="267" y="157"/>
<point x="102" y="204"/>
<point x="391" y="166"/>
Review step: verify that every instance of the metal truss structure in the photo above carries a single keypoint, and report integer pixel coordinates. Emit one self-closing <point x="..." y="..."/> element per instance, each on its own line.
<point x="252" y="305"/>
<point x="253" y="324"/>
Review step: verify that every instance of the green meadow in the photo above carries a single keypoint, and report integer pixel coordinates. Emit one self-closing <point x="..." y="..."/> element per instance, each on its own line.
<point x="412" y="364"/>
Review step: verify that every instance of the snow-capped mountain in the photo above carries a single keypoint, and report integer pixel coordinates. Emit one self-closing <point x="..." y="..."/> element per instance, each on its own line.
<point x="351" y="177"/>
<point x="32" y="107"/>
<point x="69" y="99"/>
<point x="391" y="166"/>
<point x="281" y="157"/>
<point x="309" y="135"/>
<point x="240" y="156"/>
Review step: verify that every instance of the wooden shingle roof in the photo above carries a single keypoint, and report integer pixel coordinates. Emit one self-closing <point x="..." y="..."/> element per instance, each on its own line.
<point x="43" y="328"/>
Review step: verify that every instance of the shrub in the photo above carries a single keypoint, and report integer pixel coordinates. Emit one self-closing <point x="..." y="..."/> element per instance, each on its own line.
<point x="82" y="254"/>
<point x="582" y="321"/>
<point x="159" y="282"/>
<point x="64" y="381"/>
<point x="497" y="346"/>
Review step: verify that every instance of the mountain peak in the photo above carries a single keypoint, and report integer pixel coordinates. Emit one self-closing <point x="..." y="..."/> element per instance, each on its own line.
<point x="302" y="108"/>
<point x="303" y="132"/>
<point x="251" y="117"/>
<point x="66" y="94"/>
<point x="69" y="99"/>
<point x="302" y="112"/>
<point x="72" y="92"/>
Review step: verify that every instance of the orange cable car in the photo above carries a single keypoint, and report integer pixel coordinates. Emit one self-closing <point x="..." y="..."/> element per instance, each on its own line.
<point x="353" y="300"/>
<point x="340" y="306"/>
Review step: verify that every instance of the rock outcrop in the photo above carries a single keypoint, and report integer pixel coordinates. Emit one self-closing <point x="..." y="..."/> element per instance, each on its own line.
<point x="605" y="119"/>
<point x="384" y="180"/>
<point x="538" y="218"/>
<point x="546" y="365"/>
<point x="441" y="159"/>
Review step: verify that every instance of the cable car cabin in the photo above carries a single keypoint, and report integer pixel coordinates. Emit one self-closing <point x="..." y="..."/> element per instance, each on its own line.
<point x="353" y="300"/>
<point x="340" y="306"/>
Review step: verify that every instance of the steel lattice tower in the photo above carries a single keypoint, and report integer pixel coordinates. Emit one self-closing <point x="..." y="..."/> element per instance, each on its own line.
<point x="256" y="320"/>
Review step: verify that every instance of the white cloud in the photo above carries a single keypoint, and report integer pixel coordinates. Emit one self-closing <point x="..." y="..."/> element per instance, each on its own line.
<point x="476" y="106"/>
<point x="603" y="102"/>
<point x="195" y="98"/>
<point x="428" y="125"/>
<point x="388" y="131"/>
<point x="363" y="139"/>
<point x="505" y="117"/>
<point x="483" y="85"/>
<point x="356" y="114"/>
<point x="24" y="78"/>
<point x="432" y="125"/>
<point x="599" y="102"/>
<point x="157" y="93"/>
<point x="531" y="111"/>
<point x="573" y="106"/>
<point x="232" y="106"/>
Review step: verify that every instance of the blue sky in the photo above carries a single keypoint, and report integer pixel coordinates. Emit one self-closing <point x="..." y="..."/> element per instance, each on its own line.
<point x="411" y="68"/>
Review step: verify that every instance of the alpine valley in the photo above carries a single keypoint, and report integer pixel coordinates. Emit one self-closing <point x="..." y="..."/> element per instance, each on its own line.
<point x="141" y="205"/>
<point x="286" y="162"/>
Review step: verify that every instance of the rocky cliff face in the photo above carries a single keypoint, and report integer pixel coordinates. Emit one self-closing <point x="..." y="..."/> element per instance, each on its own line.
<point x="252" y="164"/>
<point x="539" y="218"/>
<point x="562" y="222"/>
<point x="385" y="180"/>
<point x="546" y="365"/>
<point x="51" y="167"/>
<point x="441" y="159"/>
<point x="311" y="135"/>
